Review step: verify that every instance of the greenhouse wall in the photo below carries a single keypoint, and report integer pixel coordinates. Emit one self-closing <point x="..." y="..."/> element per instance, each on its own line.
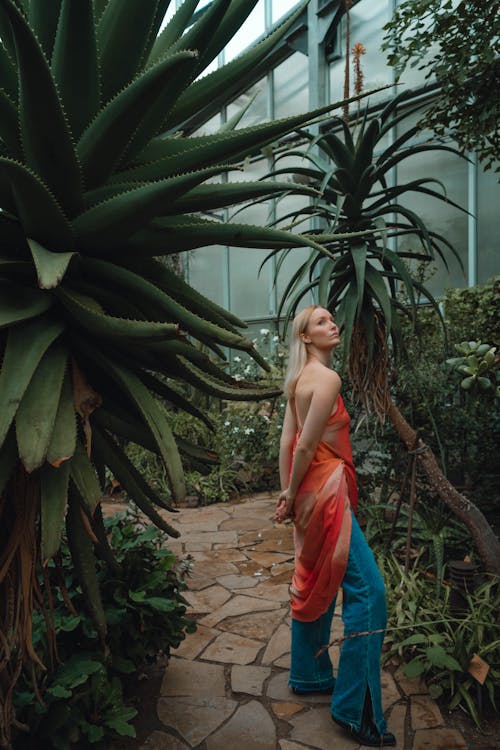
<point x="308" y="72"/>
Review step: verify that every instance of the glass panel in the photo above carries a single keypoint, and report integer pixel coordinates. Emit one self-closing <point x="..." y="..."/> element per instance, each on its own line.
<point x="291" y="95"/>
<point x="206" y="272"/>
<point x="257" y="110"/>
<point x="280" y="7"/>
<point x="488" y="202"/>
<point x="367" y="19"/>
<point x="251" y="30"/>
<point x="249" y="290"/>
<point x="439" y="216"/>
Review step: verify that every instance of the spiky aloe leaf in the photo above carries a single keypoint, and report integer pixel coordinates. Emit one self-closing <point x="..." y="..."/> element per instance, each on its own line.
<point x="124" y="470"/>
<point x="123" y="34"/>
<point x="173" y="30"/>
<point x="78" y="83"/>
<point x="111" y="132"/>
<point x="131" y="480"/>
<point x="118" y="329"/>
<point x="26" y="345"/>
<point x="43" y="18"/>
<point x="63" y="440"/>
<point x="25" y="195"/>
<point x="82" y="553"/>
<point x="20" y="303"/>
<point x="8" y="460"/>
<point x="188" y="232"/>
<point x="48" y="147"/>
<point x="9" y="132"/>
<point x="208" y="197"/>
<point x="203" y="94"/>
<point x="7" y="71"/>
<point x="133" y="284"/>
<point x="151" y="411"/>
<point x="37" y="411"/>
<point x="50" y="266"/>
<point x="53" y="503"/>
<point x="185" y="295"/>
<point x="84" y="476"/>
<point x="109" y="224"/>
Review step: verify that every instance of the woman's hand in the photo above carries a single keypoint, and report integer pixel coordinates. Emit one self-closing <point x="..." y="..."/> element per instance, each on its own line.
<point x="284" y="506"/>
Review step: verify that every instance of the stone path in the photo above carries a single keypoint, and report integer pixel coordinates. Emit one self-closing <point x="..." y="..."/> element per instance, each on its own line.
<point x="225" y="687"/>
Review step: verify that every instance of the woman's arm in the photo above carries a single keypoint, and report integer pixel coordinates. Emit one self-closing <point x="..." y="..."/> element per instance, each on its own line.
<point x="288" y="432"/>
<point x="325" y="394"/>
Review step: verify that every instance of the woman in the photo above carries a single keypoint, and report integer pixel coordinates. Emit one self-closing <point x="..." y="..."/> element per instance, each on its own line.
<point x="319" y="493"/>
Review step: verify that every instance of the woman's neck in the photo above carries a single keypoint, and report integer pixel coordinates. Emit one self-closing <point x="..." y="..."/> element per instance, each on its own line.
<point x="319" y="355"/>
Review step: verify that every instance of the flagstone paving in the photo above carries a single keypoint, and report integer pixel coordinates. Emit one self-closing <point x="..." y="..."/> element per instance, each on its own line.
<point x="225" y="687"/>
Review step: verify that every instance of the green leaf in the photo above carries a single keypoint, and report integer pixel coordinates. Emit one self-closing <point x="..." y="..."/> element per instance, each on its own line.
<point x="108" y="452"/>
<point x="43" y="19"/>
<point x="231" y="78"/>
<point x="177" y="234"/>
<point x="82" y="553"/>
<point x="63" y="440"/>
<point x="152" y="413"/>
<point x="173" y="30"/>
<point x="53" y="501"/>
<point x="110" y="223"/>
<point x="21" y="303"/>
<point x="50" y="266"/>
<point x="48" y="147"/>
<point x="376" y="282"/>
<point x="9" y="131"/>
<point x="25" y="195"/>
<point x="130" y="116"/>
<point x="208" y="197"/>
<point x="37" y="411"/>
<point x="160" y="303"/>
<point x="85" y="478"/>
<point x="123" y="36"/>
<point x="414" y="668"/>
<point x="107" y="326"/>
<point x="126" y="473"/>
<point x="75" y="63"/>
<point x="26" y="345"/>
<point x="8" y="460"/>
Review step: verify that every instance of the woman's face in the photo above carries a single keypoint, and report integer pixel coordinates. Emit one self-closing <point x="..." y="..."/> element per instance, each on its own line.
<point x="321" y="331"/>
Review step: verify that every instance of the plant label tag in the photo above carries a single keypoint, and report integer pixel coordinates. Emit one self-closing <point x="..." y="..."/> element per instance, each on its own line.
<point x="478" y="668"/>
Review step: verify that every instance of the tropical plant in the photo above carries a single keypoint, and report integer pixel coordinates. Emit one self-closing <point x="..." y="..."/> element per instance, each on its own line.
<point x="457" y="45"/>
<point x="440" y="649"/>
<point x="101" y="172"/>
<point x="360" y="279"/>
<point x="85" y="700"/>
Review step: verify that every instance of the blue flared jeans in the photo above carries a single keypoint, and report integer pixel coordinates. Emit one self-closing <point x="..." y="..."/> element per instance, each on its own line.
<point x="363" y="609"/>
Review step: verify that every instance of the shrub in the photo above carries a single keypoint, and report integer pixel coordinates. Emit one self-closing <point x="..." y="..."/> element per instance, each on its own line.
<point x="82" y="701"/>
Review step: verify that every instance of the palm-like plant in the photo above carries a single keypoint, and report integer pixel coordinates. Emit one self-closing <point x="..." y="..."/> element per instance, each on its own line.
<point x="363" y="215"/>
<point x="360" y="279"/>
<point x="100" y="173"/>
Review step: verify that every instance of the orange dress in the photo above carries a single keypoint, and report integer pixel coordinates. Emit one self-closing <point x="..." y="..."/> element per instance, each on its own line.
<point x="322" y="520"/>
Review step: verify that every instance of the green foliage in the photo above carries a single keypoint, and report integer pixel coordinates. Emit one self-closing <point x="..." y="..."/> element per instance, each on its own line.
<point x="84" y="701"/>
<point x="478" y="363"/>
<point x="103" y="174"/>
<point x="364" y="216"/>
<point x="440" y="648"/>
<point x="457" y="44"/>
<point x="435" y="535"/>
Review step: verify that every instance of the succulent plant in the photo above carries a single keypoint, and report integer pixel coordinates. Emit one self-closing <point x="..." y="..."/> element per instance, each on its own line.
<point x="102" y="173"/>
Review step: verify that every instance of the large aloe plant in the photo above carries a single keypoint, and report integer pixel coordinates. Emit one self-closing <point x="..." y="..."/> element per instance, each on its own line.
<point x="361" y="279"/>
<point x="100" y="174"/>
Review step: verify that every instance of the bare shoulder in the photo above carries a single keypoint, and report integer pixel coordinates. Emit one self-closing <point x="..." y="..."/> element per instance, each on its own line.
<point x="324" y="377"/>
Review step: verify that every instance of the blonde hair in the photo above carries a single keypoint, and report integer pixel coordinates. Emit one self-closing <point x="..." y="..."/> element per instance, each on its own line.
<point x="297" y="357"/>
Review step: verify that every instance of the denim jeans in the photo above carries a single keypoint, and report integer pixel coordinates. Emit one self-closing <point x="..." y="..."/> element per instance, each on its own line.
<point x="363" y="609"/>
